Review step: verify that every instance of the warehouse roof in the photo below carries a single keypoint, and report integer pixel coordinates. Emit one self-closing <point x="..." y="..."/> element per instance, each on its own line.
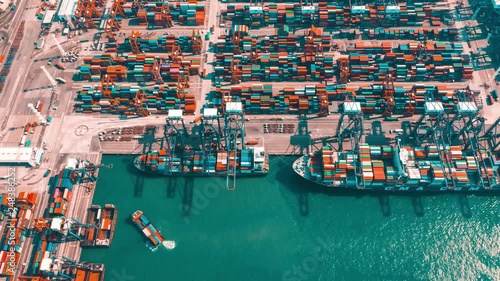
<point x="21" y="155"/>
<point x="66" y="9"/>
<point x="49" y="16"/>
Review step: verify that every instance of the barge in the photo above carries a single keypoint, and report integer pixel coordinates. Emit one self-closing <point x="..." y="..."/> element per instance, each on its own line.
<point x="107" y="226"/>
<point x="93" y="218"/>
<point x="102" y="223"/>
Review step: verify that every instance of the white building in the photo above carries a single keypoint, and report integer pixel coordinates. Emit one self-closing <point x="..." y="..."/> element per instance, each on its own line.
<point x="21" y="156"/>
<point x="66" y="10"/>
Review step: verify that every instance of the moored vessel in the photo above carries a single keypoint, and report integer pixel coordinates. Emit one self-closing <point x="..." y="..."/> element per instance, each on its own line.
<point x="400" y="168"/>
<point x="249" y="162"/>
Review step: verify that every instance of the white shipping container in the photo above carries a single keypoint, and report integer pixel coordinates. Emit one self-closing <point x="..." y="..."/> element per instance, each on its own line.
<point x="146" y="231"/>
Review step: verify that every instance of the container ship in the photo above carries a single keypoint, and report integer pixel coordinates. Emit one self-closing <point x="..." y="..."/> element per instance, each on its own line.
<point x="107" y="226"/>
<point x="401" y="168"/>
<point x="154" y="236"/>
<point x="249" y="162"/>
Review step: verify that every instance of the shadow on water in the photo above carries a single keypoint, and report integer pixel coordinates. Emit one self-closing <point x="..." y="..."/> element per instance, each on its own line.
<point x="385" y="205"/>
<point x="418" y="206"/>
<point x="463" y="202"/>
<point x="304" y="204"/>
<point x="171" y="183"/>
<point x="139" y="177"/>
<point x="187" y="196"/>
<point x="139" y="186"/>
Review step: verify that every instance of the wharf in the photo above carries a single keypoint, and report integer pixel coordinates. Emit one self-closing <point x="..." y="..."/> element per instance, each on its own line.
<point x="274" y="143"/>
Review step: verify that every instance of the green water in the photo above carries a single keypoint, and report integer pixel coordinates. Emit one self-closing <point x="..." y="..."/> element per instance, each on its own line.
<point x="280" y="228"/>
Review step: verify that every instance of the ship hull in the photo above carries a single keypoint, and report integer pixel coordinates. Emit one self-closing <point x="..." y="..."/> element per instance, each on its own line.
<point x="300" y="167"/>
<point x="139" y="166"/>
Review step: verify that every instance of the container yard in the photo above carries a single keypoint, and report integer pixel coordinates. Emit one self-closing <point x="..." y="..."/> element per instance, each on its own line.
<point x="389" y="97"/>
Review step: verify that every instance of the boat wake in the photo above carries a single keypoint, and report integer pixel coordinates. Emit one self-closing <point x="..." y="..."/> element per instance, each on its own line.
<point x="151" y="247"/>
<point x="170" y="245"/>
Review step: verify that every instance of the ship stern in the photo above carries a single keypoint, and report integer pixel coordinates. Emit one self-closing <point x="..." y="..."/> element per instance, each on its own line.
<point x="139" y="164"/>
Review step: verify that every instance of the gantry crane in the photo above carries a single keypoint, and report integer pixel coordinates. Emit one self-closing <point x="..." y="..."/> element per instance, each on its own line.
<point x="311" y="48"/>
<point x="422" y="50"/>
<point x="323" y="103"/>
<point x="234" y="129"/>
<point x="106" y="86"/>
<point x="466" y="123"/>
<point x="211" y="135"/>
<point x="110" y="27"/>
<point x="182" y="84"/>
<point x="65" y="268"/>
<point x="134" y="46"/>
<point x="235" y="71"/>
<point x="464" y="129"/>
<point x="492" y="136"/>
<point x="236" y="44"/>
<point x="86" y="11"/>
<point x="61" y="229"/>
<point x="344" y="71"/>
<point x="140" y="103"/>
<point x="196" y="42"/>
<point x="431" y="128"/>
<point x="117" y="8"/>
<point x="175" y="134"/>
<point x="156" y="71"/>
<point x="412" y="102"/>
<point x="166" y="16"/>
<point x="388" y="91"/>
<point x="176" y="55"/>
<point x="350" y="125"/>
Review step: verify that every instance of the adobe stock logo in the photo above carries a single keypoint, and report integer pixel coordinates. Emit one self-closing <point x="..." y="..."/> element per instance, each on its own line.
<point x="121" y="276"/>
<point x="202" y="197"/>
<point x="310" y="264"/>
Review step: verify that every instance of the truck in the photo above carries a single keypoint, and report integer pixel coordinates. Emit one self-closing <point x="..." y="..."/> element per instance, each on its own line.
<point x="23" y="141"/>
<point x="60" y="80"/>
<point x="39" y="107"/>
<point x="28" y="143"/>
<point x="252" y="142"/>
<point x="47" y="173"/>
<point x="59" y="65"/>
<point x="391" y="118"/>
<point x="494" y="94"/>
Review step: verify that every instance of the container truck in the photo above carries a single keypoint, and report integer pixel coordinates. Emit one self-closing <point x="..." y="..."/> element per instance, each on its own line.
<point x="23" y="140"/>
<point x="59" y="65"/>
<point x="61" y="80"/>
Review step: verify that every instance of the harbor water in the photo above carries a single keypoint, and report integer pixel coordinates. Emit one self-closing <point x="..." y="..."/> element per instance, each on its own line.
<point x="279" y="227"/>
